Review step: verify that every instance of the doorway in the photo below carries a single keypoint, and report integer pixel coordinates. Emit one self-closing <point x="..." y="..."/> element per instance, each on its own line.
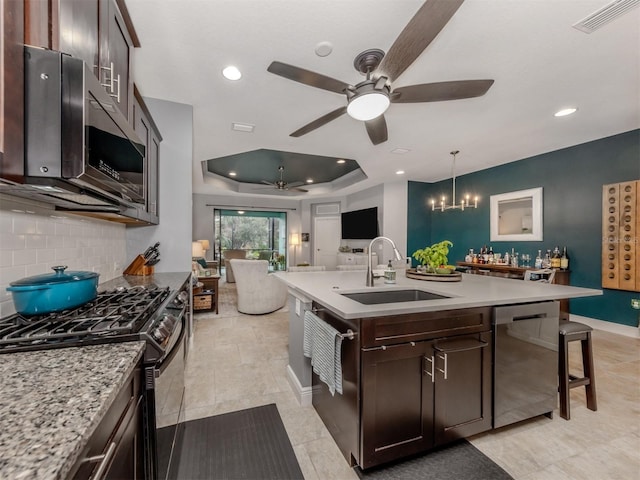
<point x="262" y="235"/>
<point x="326" y="231"/>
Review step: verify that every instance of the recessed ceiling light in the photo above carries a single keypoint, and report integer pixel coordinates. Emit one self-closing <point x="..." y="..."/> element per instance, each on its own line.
<point x="400" y="172"/>
<point x="232" y="174"/>
<point x="231" y="73"/>
<point x="400" y="151"/>
<point x="240" y="212"/>
<point x="309" y="180"/>
<point x="564" y="112"/>
<point x="341" y="161"/>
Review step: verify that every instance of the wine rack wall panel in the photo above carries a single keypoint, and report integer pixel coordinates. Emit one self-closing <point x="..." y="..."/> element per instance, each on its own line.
<point x="620" y="228"/>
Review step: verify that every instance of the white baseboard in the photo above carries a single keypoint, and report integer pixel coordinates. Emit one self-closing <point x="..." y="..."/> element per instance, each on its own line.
<point x="303" y="394"/>
<point x="611" y="327"/>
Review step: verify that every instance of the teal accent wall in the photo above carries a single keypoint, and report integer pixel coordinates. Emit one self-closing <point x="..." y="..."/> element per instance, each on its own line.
<point x="572" y="180"/>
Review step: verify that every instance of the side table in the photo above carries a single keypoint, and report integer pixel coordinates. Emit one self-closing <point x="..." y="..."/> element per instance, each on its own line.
<point x="210" y="287"/>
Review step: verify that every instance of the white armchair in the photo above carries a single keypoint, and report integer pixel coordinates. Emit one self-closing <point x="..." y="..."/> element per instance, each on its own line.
<point x="258" y="292"/>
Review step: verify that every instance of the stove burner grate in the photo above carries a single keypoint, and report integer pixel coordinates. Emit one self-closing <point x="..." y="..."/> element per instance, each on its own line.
<point x="112" y="313"/>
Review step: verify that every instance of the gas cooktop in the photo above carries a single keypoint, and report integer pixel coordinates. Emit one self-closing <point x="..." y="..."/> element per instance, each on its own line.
<point x="120" y="314"/>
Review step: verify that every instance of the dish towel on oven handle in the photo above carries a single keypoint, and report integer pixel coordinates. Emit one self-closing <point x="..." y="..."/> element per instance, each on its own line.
<point x="323" y="345"/>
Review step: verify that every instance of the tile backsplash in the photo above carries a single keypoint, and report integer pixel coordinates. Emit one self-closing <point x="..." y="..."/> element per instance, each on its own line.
<point x="32" y="240"/>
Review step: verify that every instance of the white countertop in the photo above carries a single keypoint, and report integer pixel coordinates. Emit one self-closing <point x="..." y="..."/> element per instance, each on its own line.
<point x="473" y="291"/>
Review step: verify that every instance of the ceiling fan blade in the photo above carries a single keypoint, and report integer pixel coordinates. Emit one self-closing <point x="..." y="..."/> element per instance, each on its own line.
<point x="307" y="77"/>
<point x="294" y="184"/>
<point x="299" y="189"/>
<point x="437" y="92"/>
<point x="425" y="25"/>
<point x="268" y="183"/>
<point x="377" y="130"/>
<point x="317" y="123"/>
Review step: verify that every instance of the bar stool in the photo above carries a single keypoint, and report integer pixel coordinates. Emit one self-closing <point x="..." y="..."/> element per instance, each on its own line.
<point x="570" y="332"/>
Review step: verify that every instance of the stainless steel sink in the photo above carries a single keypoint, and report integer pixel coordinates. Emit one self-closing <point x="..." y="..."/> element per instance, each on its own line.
<point x="392" y="296"/>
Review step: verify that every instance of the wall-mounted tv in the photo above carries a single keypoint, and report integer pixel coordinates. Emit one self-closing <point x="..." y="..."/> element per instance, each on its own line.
<point x="360" y="224"/>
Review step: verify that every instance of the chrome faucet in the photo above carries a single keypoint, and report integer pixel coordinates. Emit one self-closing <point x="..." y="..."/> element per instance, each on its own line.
<point x="369" y="267"/>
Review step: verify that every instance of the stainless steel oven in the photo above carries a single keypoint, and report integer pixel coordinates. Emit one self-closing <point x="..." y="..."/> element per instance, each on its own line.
<point x="166" y="379"/>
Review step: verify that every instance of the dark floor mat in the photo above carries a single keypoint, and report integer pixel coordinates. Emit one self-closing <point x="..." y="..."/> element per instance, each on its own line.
<point x="458" y="461"/>
<point x="249" y="444"/>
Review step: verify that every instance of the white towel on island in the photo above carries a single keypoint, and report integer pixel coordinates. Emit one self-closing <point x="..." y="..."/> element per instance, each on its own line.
<point x="323" y="345"/>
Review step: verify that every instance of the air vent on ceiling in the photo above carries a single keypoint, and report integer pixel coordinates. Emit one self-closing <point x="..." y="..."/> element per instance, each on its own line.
<point x="606" y="14"/>
<point x="242" y="127"/>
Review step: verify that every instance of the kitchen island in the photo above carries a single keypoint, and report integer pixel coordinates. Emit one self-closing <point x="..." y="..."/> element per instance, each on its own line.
<point x="53" y="401"/>
<point x="415" y="374"/>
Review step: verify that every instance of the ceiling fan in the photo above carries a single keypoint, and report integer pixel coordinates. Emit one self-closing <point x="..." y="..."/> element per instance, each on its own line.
<point x="282" y="185"/>
<point x="369" y="99"/>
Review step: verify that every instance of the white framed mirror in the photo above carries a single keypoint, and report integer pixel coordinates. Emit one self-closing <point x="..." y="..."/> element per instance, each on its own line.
<point x="517" y="216"/>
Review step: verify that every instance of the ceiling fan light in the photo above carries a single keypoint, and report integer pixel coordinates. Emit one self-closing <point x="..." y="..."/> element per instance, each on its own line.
<point x="369" y="105"/>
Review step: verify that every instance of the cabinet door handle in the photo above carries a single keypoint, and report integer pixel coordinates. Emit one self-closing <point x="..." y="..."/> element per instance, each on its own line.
<point x="117" y="94"/>
<point x="444" y="372"/>
<point x="429" y="373"/>
<point x="110" y="82"/>
<point x="104" y="460"/>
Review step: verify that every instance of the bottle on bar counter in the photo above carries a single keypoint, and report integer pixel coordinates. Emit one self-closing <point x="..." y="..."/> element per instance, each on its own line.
<point x="469" y="257"/>
<point x="538" y="262"/>
<point x="556" y="258"/>
<point x="564" y="260"/>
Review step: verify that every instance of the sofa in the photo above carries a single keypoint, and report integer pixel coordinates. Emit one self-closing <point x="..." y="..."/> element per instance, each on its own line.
<point x="258" y="291"/>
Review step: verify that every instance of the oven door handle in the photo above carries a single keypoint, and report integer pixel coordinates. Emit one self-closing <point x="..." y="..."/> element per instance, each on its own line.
<point x="166" y="359"/>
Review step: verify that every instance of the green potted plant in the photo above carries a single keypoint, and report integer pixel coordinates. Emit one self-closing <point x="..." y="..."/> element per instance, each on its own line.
<point x="434" y="257"/>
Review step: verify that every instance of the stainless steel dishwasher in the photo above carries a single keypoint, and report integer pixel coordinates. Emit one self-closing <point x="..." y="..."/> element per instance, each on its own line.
<point x="525" y="361"/>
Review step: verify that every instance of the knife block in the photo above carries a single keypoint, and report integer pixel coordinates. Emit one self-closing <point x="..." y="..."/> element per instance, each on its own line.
<point x="138" y="267"/>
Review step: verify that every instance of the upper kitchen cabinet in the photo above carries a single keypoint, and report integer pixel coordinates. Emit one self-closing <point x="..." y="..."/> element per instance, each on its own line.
<point x="148" y="132"/>
<point x="117" y="39"/>
<point x="77" y="31"/>
<point x="11" y="90"/>
<point x="100" y="32"/>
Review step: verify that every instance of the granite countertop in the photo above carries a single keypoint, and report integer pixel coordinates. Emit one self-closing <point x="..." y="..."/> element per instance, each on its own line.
<point x="51" y="401"/>
<point x="473" y="291"/>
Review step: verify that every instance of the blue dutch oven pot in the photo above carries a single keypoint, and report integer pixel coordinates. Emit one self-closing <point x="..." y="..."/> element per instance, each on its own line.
<point x="53" y="292"/>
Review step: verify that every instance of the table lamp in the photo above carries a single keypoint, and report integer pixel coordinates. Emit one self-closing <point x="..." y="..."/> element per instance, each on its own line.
<point x="197" y="250"/>
<point x="205" y="246"/>
<point x="294" y="240"/>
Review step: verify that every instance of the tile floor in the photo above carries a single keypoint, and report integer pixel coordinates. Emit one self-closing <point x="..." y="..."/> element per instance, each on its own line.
<point x="238" y="361"/>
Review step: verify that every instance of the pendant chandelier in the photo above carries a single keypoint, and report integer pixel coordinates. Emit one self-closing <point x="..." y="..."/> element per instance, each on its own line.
<point x="464" y="202"/>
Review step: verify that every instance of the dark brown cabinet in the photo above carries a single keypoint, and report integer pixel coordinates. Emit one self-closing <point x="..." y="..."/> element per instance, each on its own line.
<point x="419" y="395"/>
<point x="410" y="383"/>
<point x="116" y="450"/>
<point x="148" y="132"/>
<point x="116" y="46"/>
<point x="77" y="31"/>
<point x="100" y="32"/>
<point x="11" y="90"/>
<point x="463" y="384"/>
<point x="397" y="407"/>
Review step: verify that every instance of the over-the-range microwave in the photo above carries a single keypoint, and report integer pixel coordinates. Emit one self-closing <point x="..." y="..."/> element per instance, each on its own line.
<point x="78" y="146"/>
